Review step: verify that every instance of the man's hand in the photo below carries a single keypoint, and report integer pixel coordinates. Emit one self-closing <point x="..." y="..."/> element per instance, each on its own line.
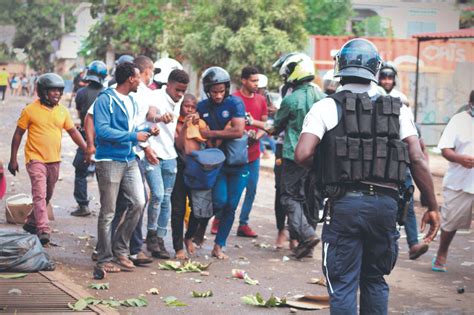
<point x="252" y="136"/>
<point x="13" y="167"/>
<point x="205" y="132"/>
<point x="431" y="218"/>
<point x="90" y="151"/>
<point x="166" y="118"/>
<point x="155" y="131"/>
<point x="466" y="161"/>
<point x="143" y="136"/>
<point x="151" y="156"/>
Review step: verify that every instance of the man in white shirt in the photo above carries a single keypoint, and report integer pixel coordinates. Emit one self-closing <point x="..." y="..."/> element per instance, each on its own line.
<point x="358" y="145"/>
<point x="457" y="146"/>
<point x="161" y="176"/>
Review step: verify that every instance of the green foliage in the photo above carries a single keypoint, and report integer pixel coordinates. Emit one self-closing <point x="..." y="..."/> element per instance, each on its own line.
<point x="188" y="266"/>
<point x="12" y="275"/>
<point x="172" y="301"/>
<point x="99" y="286"/>
<point x="204" y="294"/>
<point x="257" y="300"/>
<point x="82" y="304"/>
<point x="38" y="24"/>
<point x="466" y="20"/>
<point x="235" y="33"/>
<point x="371" y="26"/>
<point x="327" y="17"/>
<point x="133" y="27"/>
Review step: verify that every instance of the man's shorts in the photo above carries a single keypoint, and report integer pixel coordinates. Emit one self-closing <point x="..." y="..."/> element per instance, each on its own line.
<point x="456" y="212"/>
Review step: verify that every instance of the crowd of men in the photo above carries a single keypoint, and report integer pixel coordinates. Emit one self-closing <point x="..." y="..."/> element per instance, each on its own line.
<point x="351" y="149"/>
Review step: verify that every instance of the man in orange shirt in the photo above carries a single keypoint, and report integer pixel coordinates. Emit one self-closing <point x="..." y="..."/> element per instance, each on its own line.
<point x="44" y="119"/>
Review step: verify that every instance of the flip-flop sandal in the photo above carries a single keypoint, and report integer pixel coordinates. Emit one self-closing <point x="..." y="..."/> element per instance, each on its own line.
<point x="110" y="268"/>
<point x="437" y="266"/>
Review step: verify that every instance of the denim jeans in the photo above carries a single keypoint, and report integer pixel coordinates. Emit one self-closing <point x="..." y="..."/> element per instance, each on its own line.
<point x="160" y="178"/>
<point x="226" y="193"/>
<point x="136" y="241"/>
<point x="250" y="191"/>
<point x="80" y="178"/>
<point x="360" y="246"/>
<point x="112" y="177"/>
<point x="410" y="221"/>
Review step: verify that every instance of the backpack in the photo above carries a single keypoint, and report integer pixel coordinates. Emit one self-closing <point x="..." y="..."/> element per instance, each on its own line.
<point x="202" y="168"/>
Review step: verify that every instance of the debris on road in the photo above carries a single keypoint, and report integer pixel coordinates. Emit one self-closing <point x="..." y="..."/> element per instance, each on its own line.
<point x="99" y="286"/>
<point x="320" y="281"/>
<point x="257" y="300"/>
<point x="188" y="266"/>
<point x="12" y="275"/>
<point x="172" y="301"/>
<point x="205" y="294"/>
<point x="153" y="291"/>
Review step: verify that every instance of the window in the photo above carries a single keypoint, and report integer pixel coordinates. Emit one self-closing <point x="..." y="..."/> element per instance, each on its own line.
<point x="415" y="27"/>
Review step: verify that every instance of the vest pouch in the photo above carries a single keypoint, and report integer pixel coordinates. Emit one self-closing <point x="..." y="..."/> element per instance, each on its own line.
<point x="344" y="164"/>
<point x="365" y="115"/>
<point x="368" y="156"/>
<point x="350" y="115"/>
<point x="397" y="166"/>
<point x="393" y="121"/>
<point x="383" y="109"/>
<point x="380" y="160"/>
<point x="355" y="155"/>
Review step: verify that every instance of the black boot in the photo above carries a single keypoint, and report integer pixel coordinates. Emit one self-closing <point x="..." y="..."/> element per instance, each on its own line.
<point x="151" y="241"/>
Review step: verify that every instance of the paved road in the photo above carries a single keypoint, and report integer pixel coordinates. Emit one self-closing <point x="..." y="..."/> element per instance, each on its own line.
<point x="415" y="289"/>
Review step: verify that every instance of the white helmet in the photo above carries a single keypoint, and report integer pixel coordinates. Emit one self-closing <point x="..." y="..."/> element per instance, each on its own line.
<point x="297" y="68"/>
<point x="330" y="83"/>
<point x="163" y="68"/>
<point x="262" y="81"/>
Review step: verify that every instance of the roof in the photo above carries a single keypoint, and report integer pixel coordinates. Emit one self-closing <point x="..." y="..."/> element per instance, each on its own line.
<point x="463" y="33"/>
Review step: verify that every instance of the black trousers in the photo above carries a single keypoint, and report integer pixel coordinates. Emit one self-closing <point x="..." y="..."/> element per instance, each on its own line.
<point x="178" y="211"/>
<point x="3" y="90"/>
<point x="279" y="211"/>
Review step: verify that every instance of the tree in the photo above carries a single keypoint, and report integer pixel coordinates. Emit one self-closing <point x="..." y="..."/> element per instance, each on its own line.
<point x="38" y="25"/>
<point x="372" y="26"/>
<point x="327" y="17"/>
<point x="235" y="33"/>
<point x="132" y="27"/>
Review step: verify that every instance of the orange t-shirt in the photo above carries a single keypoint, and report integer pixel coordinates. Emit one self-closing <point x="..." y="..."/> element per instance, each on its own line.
<point x="44" y="125"/>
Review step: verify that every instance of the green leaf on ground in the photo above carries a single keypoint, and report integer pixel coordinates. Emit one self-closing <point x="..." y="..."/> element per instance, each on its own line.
<point x="12" y="275"/>
<point x="250" y="281"/>
<point x="99" y="286"/>
<point x="80" y="305"/>
<point x="204" y="294"/>
<point x="173" y="301"/>
<point x="257" y="300"/>
<point x="188" y="266"/>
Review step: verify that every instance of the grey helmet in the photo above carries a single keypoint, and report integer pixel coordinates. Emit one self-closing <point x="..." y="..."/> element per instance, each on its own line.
<point x="213" y="76"/>
<point x="358" y="58"/>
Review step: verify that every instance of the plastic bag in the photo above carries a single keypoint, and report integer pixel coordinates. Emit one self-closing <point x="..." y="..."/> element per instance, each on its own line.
<point x="21" y="252"/>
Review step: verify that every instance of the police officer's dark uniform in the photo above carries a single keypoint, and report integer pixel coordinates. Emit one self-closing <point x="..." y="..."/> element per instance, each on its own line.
<point x="96" y="73"/>
<point x="359" y="163"/>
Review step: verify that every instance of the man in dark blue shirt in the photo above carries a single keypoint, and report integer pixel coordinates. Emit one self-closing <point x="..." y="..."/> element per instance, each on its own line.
<point x="225" y="116"/>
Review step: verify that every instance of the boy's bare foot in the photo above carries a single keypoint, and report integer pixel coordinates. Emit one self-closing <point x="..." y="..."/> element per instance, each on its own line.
<point x="190" y="246"/>
<point x="180" y="254"/>
<point x="281" y="239"/>
<point x="218" y="253"/>
<point x="293" y="244"/>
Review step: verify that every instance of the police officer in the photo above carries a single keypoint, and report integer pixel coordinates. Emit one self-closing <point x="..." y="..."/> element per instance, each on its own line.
<point x="360" y="145"/>
<point x="388" y="80"/>
<point x="95" y="76"/>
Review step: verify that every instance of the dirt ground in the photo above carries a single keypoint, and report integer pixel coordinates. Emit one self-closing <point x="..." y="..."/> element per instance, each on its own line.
<point x="414" y="288"/>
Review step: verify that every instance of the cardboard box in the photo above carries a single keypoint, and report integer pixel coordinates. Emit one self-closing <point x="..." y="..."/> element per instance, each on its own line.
<point x="18" y="207"/>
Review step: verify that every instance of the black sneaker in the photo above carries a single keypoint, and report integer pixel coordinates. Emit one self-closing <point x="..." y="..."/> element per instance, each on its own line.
<point x="304" y="248"/>
<point x="152" y="244"/>
<point x="81" y="211"/>
<point x="162" y="253"/>
<point x="30" y="228"/>
<point x="44" y="238"/>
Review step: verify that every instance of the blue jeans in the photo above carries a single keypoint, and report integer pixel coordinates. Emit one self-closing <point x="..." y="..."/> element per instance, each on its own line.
<point x="411" y="229"/>
<point x="250" y="191"/>
<point x="226" y="193"/>
<point x="160" y="179"/>
<point x="359" y="247"/>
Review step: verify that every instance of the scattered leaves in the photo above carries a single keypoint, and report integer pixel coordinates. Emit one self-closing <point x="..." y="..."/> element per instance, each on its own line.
<point x="13" y="275"/>
<point x="257" y="300"/>
<point x="250" y="281"/>
<point x="205" y="294"/>
<point x="99" y="286"/>
<point x="172" y="301"/>
<point x="81" y="304"/>
<point x="188" y="266"/>
<point x="153" y="291"/>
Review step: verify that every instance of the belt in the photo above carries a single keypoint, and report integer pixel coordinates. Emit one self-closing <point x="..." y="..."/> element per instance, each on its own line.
<point x="372" y="190"/>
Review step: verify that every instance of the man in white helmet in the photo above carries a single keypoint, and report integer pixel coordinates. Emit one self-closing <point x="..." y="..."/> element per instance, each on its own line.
<point x="163" y="68"/>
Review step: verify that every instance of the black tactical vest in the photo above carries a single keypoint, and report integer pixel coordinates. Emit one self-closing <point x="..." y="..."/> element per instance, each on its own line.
<point x="365" y="145"/>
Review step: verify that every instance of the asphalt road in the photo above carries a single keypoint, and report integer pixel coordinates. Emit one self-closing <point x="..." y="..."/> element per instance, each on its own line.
<point x="414" y="288"/>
